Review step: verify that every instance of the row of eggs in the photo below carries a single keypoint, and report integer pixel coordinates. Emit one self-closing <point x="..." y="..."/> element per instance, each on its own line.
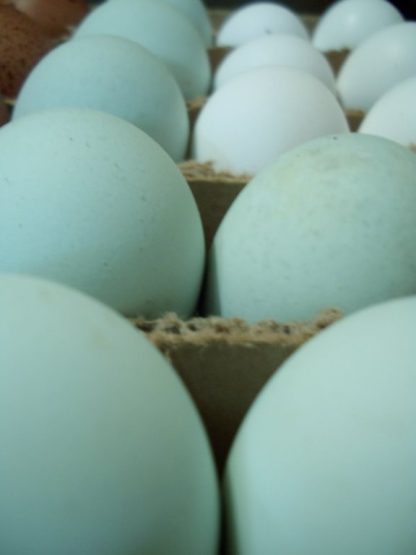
<point x="103" y="452"/>
<point x="106" y="453"/>
<point x="99" y="205"/>
<point x="270" y="94"/>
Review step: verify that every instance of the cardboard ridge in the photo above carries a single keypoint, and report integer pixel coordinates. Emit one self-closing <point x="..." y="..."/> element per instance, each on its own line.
<point x="225" y="362"/>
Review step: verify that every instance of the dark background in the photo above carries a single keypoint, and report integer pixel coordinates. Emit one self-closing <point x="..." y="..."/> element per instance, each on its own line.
<point x="407" y="7"/>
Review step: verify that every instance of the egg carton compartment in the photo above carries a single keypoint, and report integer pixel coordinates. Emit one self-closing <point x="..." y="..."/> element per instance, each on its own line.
<point x="224" y="363"/>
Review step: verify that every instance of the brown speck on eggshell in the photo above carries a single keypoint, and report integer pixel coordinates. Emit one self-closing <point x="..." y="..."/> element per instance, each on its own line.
<point x="55" y="16"/>
<point x="22" y="44"/>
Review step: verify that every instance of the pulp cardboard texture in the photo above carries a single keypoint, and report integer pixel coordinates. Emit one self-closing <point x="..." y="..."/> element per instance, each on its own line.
<point x="224" y="363"/>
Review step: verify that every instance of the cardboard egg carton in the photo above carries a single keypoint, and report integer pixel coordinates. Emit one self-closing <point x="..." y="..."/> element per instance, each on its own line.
<point x="224" y="363"/>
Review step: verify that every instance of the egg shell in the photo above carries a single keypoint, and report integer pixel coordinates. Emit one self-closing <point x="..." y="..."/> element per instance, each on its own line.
<point x="276" y="50"/>
<point x="324" y="461"/>
<point x="53" y="16"/>
<point x="114" y="75"/>
<point x="251" y="120"/>
<point x="347" y="23"/>
<point x="163" y="30"/>
<point x="103" y="449"/>
<point x="196" y="12"/>
<point x="377" y="64"/>
<point x="330" y="225"/>
<point x="89" y="200"/>
<point x="254" y="20"/>
<point x="22" y="45"/>
<point x="393" y="115"/>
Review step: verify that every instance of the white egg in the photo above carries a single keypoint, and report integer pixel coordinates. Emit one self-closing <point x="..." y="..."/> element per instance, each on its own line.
<point x="254" y="20"/>
<point x="163" y="30"/>
<point x="255" y="117"/>
<point x="276" y="50"/>
<point x="324" y="461"/>
<point x="377" y="64"/>
<point x="89" y="200"/>
<point x="114" y="75"/>
<point x="331" y="224"/>
<point x="103" y="451"/>
<point x="393" y="116"/>
<point x="347" y="23"/>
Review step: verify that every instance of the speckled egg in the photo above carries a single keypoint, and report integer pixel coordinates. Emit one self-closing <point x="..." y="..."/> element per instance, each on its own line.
<point x="114" y="75"/>
<point x="89" y="200"/>
<point x="330" y="224"/>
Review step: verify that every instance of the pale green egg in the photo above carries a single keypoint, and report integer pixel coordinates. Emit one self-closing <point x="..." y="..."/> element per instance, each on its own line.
<point x="103" y="451"/>
<point x="89" y="200"/>
<point x="114" y="75"/>
<point x="325" y="460"/>
<point x="330" y="224"/>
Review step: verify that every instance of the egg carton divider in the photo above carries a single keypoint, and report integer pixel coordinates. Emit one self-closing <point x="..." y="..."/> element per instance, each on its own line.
<point x="225" y="362"/>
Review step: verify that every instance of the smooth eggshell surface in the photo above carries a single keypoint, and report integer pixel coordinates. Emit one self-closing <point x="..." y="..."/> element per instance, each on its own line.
<point x="256" y="116"/>
<point x="103" y="451"/>
<point x="324" y="461"/>
<point x="330" y="225"/>
<point x="377" y="64"/>
<point x="114" y="75"/>
<point x="197" y="13"/>
<point x="163" y="30"/>
<point x="255" y="20"/>
<point x="276" y="50"/>
<point x="393" y="116"/>
<point x="347" y="23"/>
<point x="89" y="200"/>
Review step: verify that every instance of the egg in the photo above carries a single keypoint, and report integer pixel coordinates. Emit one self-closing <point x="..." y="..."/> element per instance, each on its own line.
<point x="331" y="224"/>
<point x="89" y="200"/>
<point x="256" y="116"/>
<point x="324" y="461"/>
<point x="257" y="19"/>
<point x="377" y="64"/>
<point x="22" y="45"/>
<point x="56" y="16"/>
<point x="163" y="30"/>
<point x="347" y="23"/>
<point x="103" y="450"/>
<point x="197" y="13"/>
<point x="275" y="50"/>
<point x="114" y="75"/>
<point x="393" y="115"/>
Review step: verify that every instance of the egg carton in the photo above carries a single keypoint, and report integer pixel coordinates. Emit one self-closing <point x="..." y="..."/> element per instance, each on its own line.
<point x="225" y="362"/>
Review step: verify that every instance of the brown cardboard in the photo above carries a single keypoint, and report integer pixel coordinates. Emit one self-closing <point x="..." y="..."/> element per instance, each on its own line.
<point x="224" y="363"/>
<point x="213" y="192"/>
